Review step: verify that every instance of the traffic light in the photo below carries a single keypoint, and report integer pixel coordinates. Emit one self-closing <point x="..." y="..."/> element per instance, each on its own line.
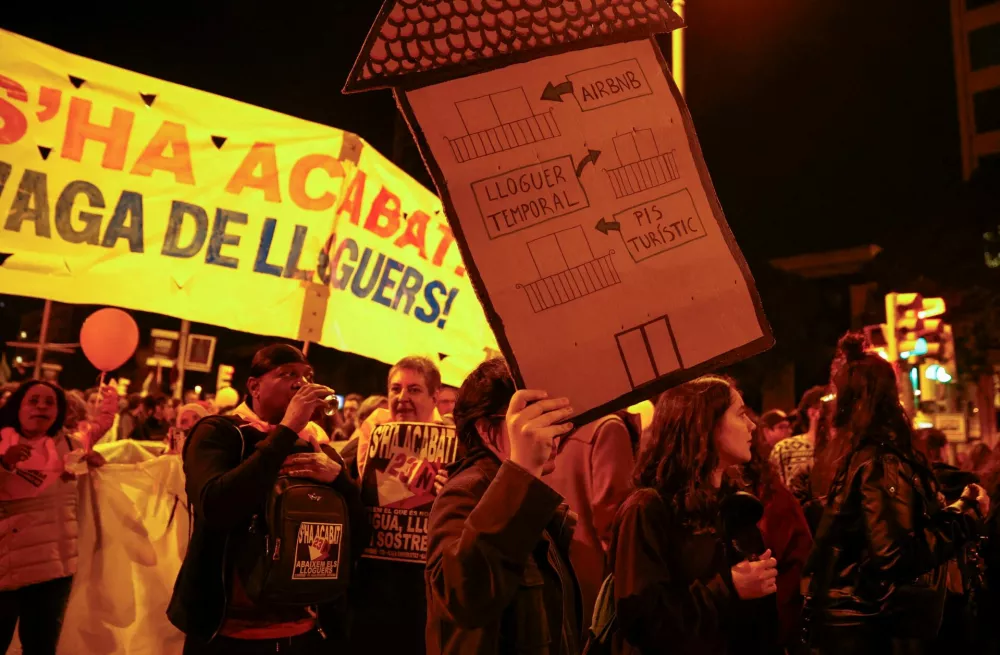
<point x="876" y="336"/>
<point x="926" y="340"/>
<point x="943" y="370"/>
<point x="912" y="329"/>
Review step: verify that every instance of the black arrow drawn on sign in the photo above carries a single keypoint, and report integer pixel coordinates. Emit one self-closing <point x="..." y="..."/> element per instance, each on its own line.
<point x="606" y="226"/>
<point x="591" y="158"/>
<point x="555" y="92"/>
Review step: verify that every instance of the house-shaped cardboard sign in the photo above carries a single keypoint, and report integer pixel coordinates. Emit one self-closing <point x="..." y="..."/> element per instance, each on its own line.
<point x="574" y="183"/>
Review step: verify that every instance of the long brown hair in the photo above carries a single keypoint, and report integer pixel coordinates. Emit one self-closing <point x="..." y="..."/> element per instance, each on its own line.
<point x="868" y="410"/>
<point x="681" y="455"/>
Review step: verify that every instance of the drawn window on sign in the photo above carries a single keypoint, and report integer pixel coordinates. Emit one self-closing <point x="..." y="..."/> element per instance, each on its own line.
<point x="649" y="351"/>
<point x="643" y="166"/>
<point x="499" y="122"/>
<point x="567" y="269"/>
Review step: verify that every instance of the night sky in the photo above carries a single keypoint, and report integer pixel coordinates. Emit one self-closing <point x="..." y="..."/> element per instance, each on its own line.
<point x="824" y="124"/>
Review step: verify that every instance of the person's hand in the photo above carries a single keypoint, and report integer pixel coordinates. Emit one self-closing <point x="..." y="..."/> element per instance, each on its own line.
<point x="314" y="466"/>
<point x="756" y="579"/>
<point x="16" y="454"/>
<point x="532" y="428"/>
<point x="304" y="404"/>
<point x="94" y="459"/>
<point x="979" y="494"/>
<point x="439" y="481"/>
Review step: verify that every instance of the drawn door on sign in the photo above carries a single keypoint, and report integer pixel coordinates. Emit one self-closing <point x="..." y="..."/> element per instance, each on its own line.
<point x="649" y="351"/>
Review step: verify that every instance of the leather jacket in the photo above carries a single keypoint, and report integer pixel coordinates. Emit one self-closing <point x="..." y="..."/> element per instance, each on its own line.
<point x="883" y="546"/>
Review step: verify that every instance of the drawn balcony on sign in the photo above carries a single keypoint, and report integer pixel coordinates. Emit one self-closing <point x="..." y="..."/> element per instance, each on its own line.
<point x="499" y="122"/>
<point x="568" y="270"/>
<point x="642" y="165"/>
<point x="649" y="351"/>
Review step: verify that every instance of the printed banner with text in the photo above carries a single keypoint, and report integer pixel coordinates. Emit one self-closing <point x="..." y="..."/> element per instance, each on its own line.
<point x="398" y="486"/>
<point x="121" y="189"/>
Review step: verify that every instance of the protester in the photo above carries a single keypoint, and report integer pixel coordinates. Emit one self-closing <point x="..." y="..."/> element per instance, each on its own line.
<point x="933" y="444"/>
<point x="38" y="513"/>
<point x="793" y="457"/>
<point x="187" y="417"/>
<point x="775" y="426"/>
<point x="785" y="532"/>
<point x="348" y="422"/>
<point x="413" y="386"/>
<point x="226" y="400"/>
<point x="230" y="473"/>
<point x="369" y="406"/>
<point x="387" y="587"/>
<point x="499" y="578"/>
<point x="879" y="562"/>
<point x="154" y="425"/>
<point x="594" y="474"/>
<point x="6" y="391"/>
<point x="352" y="404"/>
<point x="680" y="585"/>
<point x="977" y="459"/>
<point x="87" y="424"/>
<point x="446" y="398"/>
<point x="131" y="415"/>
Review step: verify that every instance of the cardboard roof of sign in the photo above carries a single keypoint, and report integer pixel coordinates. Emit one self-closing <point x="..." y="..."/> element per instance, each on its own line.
<point x="414" y="42"/>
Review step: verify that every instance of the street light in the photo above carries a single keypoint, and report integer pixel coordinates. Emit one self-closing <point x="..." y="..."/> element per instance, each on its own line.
<point x="677" y="47"/>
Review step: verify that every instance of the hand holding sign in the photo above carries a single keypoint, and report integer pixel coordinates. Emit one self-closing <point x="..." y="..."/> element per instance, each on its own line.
<point x="15" y="455"/>
<point x="532" y="428"/>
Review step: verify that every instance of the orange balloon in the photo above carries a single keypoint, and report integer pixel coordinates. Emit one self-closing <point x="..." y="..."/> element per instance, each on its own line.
<point x="109" y="338"/>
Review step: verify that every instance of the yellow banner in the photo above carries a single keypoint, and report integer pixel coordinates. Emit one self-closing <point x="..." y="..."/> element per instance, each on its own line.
<point x="121" y="189"/>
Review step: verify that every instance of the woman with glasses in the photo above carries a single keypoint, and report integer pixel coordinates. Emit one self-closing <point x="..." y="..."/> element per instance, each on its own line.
<point x="498" y="574"/>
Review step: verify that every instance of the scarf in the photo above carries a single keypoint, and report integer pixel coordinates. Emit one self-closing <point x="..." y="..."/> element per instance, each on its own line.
<point x="312" y="433"/>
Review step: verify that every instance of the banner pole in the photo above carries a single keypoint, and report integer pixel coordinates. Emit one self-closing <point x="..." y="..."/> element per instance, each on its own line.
<point x="42" y="339"/>
<point x="305" y="347"/>
<point x="181" y="356"/>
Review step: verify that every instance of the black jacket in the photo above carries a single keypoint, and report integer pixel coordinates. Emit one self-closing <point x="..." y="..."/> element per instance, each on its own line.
<point x="881" y="551"/>
<point x="228" y="479"/>
<point x="498" y="574"/>
<point x="674" y="589"/>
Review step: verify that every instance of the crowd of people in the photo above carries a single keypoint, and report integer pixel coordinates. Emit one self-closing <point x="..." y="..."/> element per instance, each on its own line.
<point x="832" y="528"/>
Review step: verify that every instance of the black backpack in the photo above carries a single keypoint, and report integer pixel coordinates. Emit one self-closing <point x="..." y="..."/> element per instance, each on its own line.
<point x="299" y="552"/>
